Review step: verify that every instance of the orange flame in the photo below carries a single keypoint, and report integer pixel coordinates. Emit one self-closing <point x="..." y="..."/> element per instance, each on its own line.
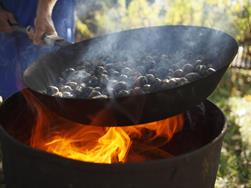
<point x="102" y="144"/>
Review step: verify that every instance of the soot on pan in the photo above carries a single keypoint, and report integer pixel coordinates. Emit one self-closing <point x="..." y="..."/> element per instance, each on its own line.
<point x="109" y="77"/>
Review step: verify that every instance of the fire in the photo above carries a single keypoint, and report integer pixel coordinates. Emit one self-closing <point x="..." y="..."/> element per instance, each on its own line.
<point x="103" y="144"/>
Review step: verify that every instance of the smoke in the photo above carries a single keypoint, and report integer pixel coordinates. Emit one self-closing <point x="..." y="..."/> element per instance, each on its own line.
<point x="181" y="45"/>
<point x="129" y="47"/>
<point x="114" y="16"/>
<point x="182" y="48"/>
<point x="85" y="7"/>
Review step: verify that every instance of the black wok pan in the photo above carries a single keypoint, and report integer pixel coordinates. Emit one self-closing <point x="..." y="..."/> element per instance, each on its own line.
<point x="216" y="47"/>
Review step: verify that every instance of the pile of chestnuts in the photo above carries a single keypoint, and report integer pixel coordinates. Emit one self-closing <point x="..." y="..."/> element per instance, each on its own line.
<point x="109" y="77"/>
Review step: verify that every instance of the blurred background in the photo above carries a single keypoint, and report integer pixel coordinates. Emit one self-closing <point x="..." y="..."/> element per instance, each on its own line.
<point x="233" y="95"/>
<point x="97" y="17"/>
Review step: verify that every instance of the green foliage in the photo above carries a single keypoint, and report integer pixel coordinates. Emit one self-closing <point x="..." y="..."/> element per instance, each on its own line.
<point x="234" y="169"/>
<point x="83" y="29"/>
<point x="230" y="16"/>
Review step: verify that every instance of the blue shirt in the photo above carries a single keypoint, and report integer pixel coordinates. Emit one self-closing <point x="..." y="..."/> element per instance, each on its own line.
<point x="23" y="10"/>
<point x="25" y="13"/>
<point x="16" y="50"/>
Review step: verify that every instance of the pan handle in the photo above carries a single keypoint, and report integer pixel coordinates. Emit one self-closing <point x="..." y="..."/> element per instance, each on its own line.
<point x="50" y="40"/>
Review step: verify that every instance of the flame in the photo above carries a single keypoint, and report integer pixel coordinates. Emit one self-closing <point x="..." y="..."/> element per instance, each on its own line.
<point x="102" y="144"/>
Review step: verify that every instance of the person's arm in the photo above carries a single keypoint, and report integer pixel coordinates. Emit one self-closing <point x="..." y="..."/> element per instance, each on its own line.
<point x="6" y="19"/>
<point x="43" y="21"/>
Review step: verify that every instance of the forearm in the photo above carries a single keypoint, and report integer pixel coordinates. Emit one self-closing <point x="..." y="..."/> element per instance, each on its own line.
<point x="45" y="7"/>
<point x="43" y="22"/>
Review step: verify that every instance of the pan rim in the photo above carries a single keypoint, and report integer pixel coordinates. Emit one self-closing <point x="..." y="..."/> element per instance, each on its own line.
<point x="111" y="99"/>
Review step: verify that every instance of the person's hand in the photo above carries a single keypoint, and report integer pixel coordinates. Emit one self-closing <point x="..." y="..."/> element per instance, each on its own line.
<point x="6" y="19"/>
<point x="43" y="25"/>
